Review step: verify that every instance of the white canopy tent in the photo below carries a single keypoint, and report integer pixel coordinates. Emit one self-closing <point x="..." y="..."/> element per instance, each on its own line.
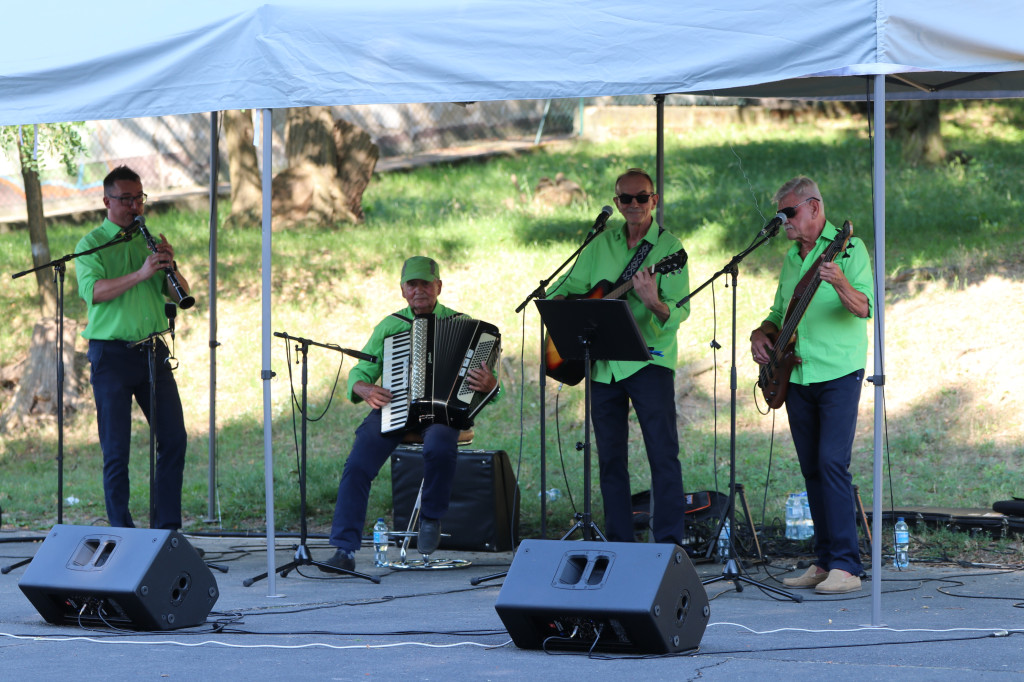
<point x="108" y="60"/>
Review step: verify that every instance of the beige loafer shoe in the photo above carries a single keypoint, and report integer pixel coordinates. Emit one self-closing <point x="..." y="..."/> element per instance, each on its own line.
<point x="810" y="578"/>
<point x="838" y="582"/>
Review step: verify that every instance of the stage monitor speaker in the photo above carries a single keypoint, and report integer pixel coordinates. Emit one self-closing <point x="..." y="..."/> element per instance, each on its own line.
<point x="483" y="515"/>
<point x="603" y="596"/>
<point x="119" y="577"/>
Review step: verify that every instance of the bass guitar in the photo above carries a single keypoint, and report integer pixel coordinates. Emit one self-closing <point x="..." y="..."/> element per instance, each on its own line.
<point x="571" y="372"/>
<point x="773" y="377"/>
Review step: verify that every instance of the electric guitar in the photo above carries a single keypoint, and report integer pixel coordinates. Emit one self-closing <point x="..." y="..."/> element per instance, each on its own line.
<point x="773" y="377"/>
<point x="571" y="372"/>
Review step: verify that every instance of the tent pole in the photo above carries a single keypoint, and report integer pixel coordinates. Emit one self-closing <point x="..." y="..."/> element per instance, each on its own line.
<point x="211" y="515"/>
<point x="878" y="379"/>
<point x="267" y="133"/>
<point x="659" y="164"/>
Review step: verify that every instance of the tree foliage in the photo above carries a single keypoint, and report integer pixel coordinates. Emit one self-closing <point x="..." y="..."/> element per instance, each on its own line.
<point x="61" y="141"/>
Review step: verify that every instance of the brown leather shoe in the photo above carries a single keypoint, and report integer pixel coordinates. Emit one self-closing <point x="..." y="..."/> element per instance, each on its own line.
<point x="810" y="578"/>
<point x="839" y="582"/>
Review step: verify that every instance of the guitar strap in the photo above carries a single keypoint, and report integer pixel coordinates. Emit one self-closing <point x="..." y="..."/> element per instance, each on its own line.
<point x="638" y="258"/>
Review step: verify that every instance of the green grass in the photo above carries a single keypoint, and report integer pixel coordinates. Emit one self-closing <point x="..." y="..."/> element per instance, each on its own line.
<point x="332" y="283"/>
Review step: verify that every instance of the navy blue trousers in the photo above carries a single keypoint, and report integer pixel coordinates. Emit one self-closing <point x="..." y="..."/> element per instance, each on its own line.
<point x="652" y="393"/>
<point x="823" y="421"/>
<point x="370" y="451"/>
<point x="119" y="374"/>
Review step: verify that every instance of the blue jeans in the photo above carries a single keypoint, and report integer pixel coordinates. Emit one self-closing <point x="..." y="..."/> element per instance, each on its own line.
<point x="823" y="421"/>
<point x="370" y="451"/>
<point x="120" y="373"/>
<point x="652" y="393"/>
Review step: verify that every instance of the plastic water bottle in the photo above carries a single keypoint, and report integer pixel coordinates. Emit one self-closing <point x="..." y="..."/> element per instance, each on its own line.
<point x="380" y="543"/>
<point x="723" y="543"/>
<point x="793" y="514"/>
<point x="806" y="522"/>
<point x="902" y="558"/>
<point x="552" y="494"/>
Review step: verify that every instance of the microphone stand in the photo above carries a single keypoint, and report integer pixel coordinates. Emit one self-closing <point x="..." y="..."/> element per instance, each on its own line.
<point x="59" y="266"/>
<point x="733" y="570"/>
<point x="150" y="343"/>
<point x="302" y="555"/>
<point x="538" y="293"/>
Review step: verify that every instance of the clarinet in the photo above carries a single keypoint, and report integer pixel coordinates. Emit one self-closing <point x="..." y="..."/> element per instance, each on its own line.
<point x="184" y="300"/>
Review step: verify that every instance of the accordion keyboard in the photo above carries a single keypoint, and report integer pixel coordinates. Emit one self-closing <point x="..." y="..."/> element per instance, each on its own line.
<point x="395" y="378"/>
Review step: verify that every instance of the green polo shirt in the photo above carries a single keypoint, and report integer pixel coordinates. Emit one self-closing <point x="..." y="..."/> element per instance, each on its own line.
<point x="136" y="313"/>
<point x="830" y="340"/>
<point x="370" y="372"/>
<point x="604" y="259"/>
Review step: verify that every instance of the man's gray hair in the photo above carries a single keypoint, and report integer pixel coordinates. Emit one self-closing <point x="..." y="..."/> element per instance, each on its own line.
<point x="802" y="186"/>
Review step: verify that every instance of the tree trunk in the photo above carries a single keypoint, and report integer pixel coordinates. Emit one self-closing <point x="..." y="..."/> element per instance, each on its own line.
<point x="329" y="166"/>
<point x="37" y="235"/>
<point x="919" y="126"/>
<point x="357" y="156"/>
<point x="243" y="171"/>
<point x="38" y="385"/>
<point x="307" y="137"/>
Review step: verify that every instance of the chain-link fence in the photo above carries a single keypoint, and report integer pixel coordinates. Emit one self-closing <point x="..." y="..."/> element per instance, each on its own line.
<point x="172" y="153"/>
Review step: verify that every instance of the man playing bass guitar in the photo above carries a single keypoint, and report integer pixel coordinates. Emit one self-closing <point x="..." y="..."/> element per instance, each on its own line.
<point x="824" y="389"/>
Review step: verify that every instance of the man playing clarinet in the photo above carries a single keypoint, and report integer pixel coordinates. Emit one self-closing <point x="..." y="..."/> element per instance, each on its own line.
<point x="124" y="288"/>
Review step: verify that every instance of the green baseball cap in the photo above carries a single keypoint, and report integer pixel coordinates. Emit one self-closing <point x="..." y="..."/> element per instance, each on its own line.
<point x="420" y="267"/>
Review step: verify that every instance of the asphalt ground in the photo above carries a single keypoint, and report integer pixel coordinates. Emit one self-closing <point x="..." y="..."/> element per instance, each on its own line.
<point x="937" y="622"/>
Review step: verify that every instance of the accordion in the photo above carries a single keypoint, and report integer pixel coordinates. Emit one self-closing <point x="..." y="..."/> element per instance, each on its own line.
<point x="425" y="369"/>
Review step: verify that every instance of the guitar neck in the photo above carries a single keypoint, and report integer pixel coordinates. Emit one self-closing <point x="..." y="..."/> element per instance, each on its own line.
<point x="620" y="291"/>
<point x="799" y="307"/>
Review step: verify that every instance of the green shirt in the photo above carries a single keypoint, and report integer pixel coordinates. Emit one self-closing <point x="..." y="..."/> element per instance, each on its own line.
<point x="831" y="341"/>
<point x="136" y="313"/>
<point x="370" y="372"/>
<point x="604" y="259"/>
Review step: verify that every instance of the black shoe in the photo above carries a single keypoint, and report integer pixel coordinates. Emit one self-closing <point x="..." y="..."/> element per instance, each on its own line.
<point x="346" y="561"/>
<point x="429" y="536"/>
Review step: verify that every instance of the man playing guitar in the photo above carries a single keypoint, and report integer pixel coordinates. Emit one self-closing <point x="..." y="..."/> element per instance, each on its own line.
<point x="629" y="253"/>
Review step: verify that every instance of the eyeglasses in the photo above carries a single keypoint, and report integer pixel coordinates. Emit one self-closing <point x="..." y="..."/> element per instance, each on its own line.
<point x="127" y="201"/>
<point x="627" y="199"/>
<point x="796" y="206"/>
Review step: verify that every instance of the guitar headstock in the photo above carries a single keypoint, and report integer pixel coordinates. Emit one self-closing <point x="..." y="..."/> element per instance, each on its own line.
<point x="670" y="265"/>
<point x="842" y="239"/>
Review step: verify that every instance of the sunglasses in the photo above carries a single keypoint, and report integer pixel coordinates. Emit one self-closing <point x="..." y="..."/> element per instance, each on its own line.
<point x="627" y="199"/>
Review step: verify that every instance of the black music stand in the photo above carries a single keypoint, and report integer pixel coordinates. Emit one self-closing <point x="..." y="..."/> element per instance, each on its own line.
<point x="588" y="330"/>
<point x="302" y="555"/>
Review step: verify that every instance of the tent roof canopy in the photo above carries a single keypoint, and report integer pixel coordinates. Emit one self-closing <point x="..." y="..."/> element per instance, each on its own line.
<point x="105" y="60"/>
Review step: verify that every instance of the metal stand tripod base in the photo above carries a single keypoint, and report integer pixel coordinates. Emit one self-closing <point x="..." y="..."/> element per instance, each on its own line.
<point x="303" y="558"/>
<point x="428" y="564"/>
<point x="733" y="572"/>
<point x="7" y="569"/>
<point x="587" y="527"/>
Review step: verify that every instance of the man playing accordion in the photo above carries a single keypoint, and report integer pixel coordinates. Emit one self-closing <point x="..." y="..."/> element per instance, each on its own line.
<point x="421" y="286"/>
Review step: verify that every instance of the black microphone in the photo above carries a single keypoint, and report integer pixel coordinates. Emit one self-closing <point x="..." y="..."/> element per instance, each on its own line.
<point x="127" y="232"/>
<point x="772" y="228"/>
<point x="359" y="355"/>
<point x="170" y="311"/>
<point x="606" y="213"/>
